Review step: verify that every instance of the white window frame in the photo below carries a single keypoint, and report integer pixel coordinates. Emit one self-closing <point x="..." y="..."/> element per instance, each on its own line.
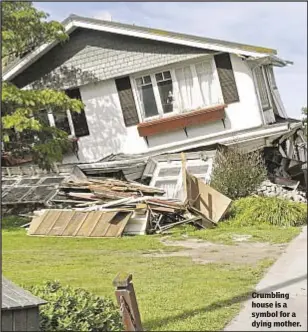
<point x="178" y="178"/>
<point x="198" y="99"/>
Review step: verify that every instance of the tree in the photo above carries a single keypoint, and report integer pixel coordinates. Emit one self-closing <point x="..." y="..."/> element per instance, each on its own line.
<point x="25" y="131"/>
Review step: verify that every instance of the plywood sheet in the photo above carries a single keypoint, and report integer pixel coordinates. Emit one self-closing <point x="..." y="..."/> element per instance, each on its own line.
<point x="211" y="203"/>
<point x="80" y="223"/>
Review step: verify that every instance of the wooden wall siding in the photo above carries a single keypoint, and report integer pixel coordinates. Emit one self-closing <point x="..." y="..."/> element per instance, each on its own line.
<point x="176" y="122"/>
<point x="127" y="101"/>
<point x="80" y="223"/>
<point x="226" y="78"/>
<point x="26" y="319"/>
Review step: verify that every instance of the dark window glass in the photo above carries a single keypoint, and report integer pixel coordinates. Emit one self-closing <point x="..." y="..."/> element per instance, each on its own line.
<point x="79" y="119"/>
<point x="61" y="122"/>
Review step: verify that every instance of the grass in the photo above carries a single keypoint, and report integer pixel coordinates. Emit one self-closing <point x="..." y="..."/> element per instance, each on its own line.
<point x="173" y="293"/>
<point x="225" y="232"/>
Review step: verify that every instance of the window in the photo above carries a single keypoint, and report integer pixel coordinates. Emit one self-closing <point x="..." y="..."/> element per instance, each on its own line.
<point x="178" y="90"/>
<point x="206" y="81"/>
<point x="79" y="119"/>
<point x="168" y="175"/>
<point x="146" y="95"/>
<point x="61" y="122"/>
<point x="261" y="84"/>
<point x="164" y="84"/>
<point x="129" y="111"/>
<point x="186" y="87"/>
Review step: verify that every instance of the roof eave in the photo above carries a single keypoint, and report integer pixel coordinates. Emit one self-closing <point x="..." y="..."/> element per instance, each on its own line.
<point x="73" y="22"/>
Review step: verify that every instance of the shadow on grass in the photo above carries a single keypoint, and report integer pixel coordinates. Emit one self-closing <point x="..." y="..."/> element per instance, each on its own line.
<point x="221" y="304"/>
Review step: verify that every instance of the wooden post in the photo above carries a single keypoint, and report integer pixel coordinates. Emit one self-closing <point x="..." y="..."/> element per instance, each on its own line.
<point x="127" y="301"/>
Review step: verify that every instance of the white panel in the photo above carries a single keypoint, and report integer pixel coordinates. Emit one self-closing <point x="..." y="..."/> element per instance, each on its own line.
<point x="246" y="113"/>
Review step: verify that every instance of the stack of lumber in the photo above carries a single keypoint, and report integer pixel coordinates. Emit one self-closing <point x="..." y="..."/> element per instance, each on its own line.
<point x="104" y="207"/>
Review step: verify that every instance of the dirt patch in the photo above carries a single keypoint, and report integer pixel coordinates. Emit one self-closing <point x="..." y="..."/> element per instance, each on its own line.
<point x="204" y="252"/>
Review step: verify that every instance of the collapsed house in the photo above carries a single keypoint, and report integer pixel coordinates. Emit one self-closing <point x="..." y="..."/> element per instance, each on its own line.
<point x="149" y="95"/>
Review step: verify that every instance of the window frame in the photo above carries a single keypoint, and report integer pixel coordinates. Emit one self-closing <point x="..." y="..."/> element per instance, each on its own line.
<point x="52" y="120"/>
<point x="178" y="178"/>
<point x="197" y="92"/>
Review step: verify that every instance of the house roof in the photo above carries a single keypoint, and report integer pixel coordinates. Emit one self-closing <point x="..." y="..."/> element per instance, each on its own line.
<point x="73" y="22"/>
<point x="14" y="297"/>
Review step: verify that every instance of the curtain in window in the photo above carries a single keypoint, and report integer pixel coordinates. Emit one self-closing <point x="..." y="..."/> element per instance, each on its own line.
<point x="185" y="83"/>
<point x="206" y="83"/>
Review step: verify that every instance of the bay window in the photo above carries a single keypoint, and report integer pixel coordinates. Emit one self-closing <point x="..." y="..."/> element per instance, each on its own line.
<point x="178" y="90"/>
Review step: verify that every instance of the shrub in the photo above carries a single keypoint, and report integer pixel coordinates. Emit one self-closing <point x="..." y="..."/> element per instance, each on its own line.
<point x="271" y="210"/>
<point x="237" y="174"/>
<point x="70" y="309"/>
<point x="11" y="222"/>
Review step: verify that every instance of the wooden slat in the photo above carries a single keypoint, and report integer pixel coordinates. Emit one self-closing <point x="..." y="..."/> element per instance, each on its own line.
<point x="117" y="224"/>
<point x="98" y="216"/>
<point x="103" y="224"/>
<point x="60" y="223"/>
<point x="76" y="219"/>
<point x="20" y="320"/>
<point x="47" y="222"/>
<point x="6" y="320"/>
<point x="33" y="319"/>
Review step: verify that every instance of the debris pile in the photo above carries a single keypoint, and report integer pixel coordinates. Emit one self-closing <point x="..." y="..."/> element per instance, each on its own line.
<point x="107" y="207"/>
<point x="286" y="191"/>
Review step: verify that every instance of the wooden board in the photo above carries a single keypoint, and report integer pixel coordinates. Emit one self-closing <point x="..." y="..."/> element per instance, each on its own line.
<point x="80" y="223"/>
<point x="211" y="203"/>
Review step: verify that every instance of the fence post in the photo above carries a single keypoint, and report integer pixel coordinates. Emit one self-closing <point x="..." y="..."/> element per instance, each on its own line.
<point x="127" y="301"/>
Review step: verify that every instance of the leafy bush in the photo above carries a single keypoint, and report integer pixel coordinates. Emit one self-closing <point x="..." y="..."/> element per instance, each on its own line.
<point x="70" y="309"/>
<point x="11" y="222"/>
<point x="237" y="174"/>
<point x="251" y="211"/>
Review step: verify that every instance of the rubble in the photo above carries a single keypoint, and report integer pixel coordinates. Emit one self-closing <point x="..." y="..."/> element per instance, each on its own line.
<point x="271" y="189"/>
<point x="108" y="207"/>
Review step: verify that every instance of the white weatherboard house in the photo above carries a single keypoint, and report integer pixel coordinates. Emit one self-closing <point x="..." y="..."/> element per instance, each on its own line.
<point x="148" y="92"/>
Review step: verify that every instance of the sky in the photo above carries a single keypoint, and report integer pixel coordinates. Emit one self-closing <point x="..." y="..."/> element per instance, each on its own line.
<point x="278" y="25"/>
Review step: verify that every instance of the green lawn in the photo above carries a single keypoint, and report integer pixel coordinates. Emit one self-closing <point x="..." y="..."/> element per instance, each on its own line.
<point x="173" y="293"/>
<point x="225" y="232"/>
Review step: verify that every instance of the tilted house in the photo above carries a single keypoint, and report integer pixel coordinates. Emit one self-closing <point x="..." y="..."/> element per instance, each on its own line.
<point x="148" y="92"/>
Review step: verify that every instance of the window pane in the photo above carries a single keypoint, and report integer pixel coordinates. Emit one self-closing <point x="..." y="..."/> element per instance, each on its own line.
<point x="185" y="82"/>
<point x="205" y="78"/>
<point x="79" y="119"/>
<point x="61" y="122"/>
<point x="166" y="91"/>
<point x="167" y="185"/>
<point x="43" y="117"/>
<point x="262" y="89"/>
<point x="159" y="77"/>
<point x="198" y="169"/>
<point x="167" y="75"/>
<point x="139" y="81"/>
<point x="147" y="79"/>
<point x="147" y="99"/>
<point x="80" y="124"/>
<point x="169" y="171"/>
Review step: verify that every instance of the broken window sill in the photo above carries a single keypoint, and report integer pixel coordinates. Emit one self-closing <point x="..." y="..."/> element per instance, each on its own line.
<point x="171" y="123"/>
